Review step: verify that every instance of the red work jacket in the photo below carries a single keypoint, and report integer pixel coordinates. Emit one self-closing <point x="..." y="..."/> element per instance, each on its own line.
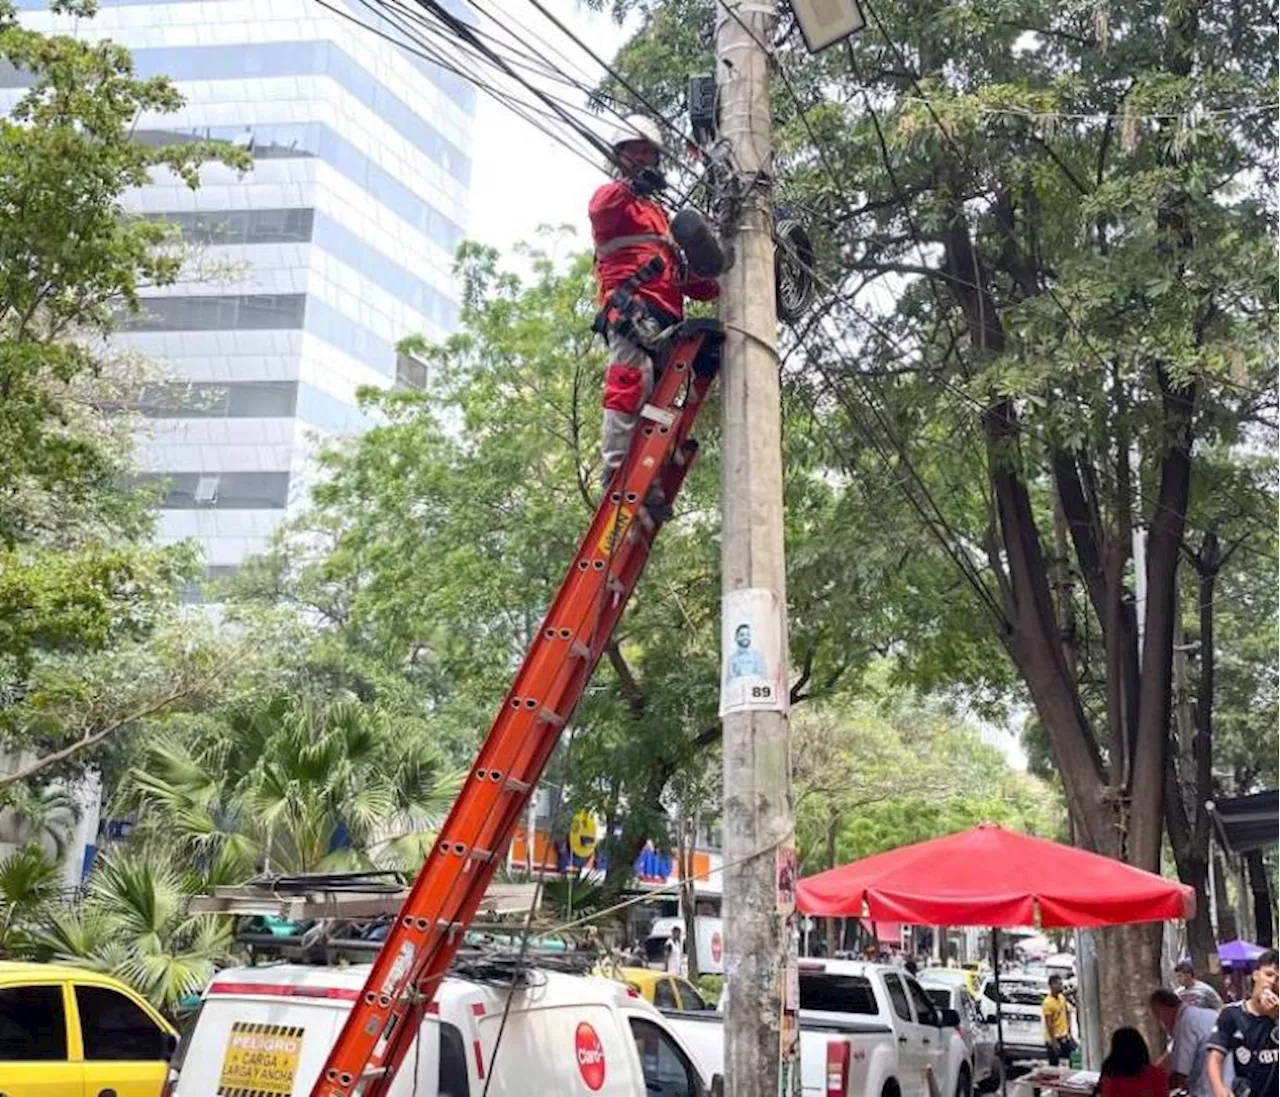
<point x="618" y="213"/>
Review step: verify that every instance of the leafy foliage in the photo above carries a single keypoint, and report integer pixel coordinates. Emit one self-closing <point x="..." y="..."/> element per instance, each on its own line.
<point x="134" y="925"/>
<point x="289" y="784"/>
<point x="78" y="576"/>
<point x="29" y="882"/>
<point x="438" y="538"/>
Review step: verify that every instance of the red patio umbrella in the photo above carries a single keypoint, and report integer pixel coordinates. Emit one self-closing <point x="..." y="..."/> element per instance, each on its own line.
<point x="989" y="876"/>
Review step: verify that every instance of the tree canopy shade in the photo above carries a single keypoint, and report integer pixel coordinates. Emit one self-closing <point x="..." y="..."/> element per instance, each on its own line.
<point x="989" y="876"/>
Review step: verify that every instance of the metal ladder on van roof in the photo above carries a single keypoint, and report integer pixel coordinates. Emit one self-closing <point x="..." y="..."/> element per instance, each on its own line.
<point x="429" y="928"/>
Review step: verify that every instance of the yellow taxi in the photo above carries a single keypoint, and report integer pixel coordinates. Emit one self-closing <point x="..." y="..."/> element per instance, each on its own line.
<point x="65" y="1032"/>
<point x="664" y="990"/>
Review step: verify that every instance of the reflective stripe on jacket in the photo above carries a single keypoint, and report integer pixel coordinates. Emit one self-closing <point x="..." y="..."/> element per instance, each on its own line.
<point x="627" y="231"/>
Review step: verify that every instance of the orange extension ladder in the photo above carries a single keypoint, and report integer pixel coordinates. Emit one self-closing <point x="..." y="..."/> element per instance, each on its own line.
<point x="421" y="944"/>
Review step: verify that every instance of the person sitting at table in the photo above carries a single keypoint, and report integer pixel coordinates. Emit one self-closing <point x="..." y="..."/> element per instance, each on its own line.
<point x="1127" y="1071"/>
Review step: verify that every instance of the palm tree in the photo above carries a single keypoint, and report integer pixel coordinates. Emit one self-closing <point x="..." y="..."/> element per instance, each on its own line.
<point x="134" y="925"/>
<point x="29" y="884"/>
<point x="295" y="785"/>
<point x="36" y="814"/>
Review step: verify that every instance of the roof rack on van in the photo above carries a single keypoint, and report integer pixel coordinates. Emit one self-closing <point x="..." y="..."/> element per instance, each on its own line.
<point x="340" y="895"/>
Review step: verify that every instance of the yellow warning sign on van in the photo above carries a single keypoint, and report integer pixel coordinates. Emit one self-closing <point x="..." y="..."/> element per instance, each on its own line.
<point x="260" y="1060"/>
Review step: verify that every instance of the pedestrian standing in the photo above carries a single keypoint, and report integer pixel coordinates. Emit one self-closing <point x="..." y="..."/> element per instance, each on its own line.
<point x="1193" y="990"/>
<point x="676" y="963"/>
<point x="1246" y="1036"/>
<point x="1057" y="1022"/>
<point x="1127" y="1071"/>
<point x="1188" y="1027"/>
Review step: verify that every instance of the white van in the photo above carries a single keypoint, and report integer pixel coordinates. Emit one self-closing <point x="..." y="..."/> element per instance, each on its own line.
<point x="268" y="1030"/>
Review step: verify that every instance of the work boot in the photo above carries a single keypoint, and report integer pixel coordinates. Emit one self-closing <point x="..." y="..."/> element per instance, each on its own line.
<point x="657" y="506"/>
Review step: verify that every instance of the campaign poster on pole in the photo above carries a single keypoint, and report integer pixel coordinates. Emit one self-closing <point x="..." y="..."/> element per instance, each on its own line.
<point x="753" y="674"/>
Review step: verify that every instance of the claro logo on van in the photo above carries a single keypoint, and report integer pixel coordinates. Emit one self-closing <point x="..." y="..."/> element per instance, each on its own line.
<point x="586" y="1045"/>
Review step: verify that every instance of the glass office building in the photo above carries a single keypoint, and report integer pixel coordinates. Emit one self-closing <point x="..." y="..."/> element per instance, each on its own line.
<point x="305" y="271"/>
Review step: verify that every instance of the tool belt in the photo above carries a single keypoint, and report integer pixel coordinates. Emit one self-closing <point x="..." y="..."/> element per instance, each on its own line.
<point x="632" y="317"/>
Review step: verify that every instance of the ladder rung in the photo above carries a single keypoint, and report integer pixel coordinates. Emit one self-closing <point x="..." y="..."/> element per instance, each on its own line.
<point x="481" y="854"/>
<point x="579" y="650"/>
<point x="516" y="785"/>
<point x="550" y="716"/>
<point x="615" y="585"/>
<point x="372" y="1072"/>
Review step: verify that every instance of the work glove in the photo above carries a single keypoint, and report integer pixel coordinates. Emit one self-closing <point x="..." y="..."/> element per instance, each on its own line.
<point x="648" y="181"/>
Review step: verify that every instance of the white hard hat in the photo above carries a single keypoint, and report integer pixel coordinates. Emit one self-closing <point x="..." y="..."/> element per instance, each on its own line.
<point x="636" y="127"/>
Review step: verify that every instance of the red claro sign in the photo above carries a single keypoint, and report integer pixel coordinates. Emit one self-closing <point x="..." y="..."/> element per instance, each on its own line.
<point x="586" y="1045"/>
<point x="717" y="947"/>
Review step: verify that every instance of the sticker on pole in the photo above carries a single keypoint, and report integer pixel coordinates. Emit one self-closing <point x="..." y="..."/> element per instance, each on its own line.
<point x="752" y="673"/>
<point x="787" y="869"/>
<point x="590" y="1053"/>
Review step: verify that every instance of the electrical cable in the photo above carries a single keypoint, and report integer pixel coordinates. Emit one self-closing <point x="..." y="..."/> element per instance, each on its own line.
<point x="616" y="75"/>
<point x="505" y="99"/>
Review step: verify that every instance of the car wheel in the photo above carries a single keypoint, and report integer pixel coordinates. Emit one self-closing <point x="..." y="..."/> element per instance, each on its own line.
<point x="994" y="1081"/>
<point x="964" y="1084"/>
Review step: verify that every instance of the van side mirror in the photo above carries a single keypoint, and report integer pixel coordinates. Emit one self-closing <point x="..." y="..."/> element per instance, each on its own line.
<point x="717" y="1085"/>
<point x="948" y="1018"/>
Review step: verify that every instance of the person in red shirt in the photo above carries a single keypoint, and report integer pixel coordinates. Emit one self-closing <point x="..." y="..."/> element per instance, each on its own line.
<point x="629" y="228"/>
<point x="1127" y="1071"/>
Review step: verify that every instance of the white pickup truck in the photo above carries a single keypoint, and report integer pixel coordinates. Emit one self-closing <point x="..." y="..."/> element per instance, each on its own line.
<point x="866" y="1030"/>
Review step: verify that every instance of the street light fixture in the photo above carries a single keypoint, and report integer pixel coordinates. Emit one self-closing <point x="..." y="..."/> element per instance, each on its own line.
<point x="826" y="22"/>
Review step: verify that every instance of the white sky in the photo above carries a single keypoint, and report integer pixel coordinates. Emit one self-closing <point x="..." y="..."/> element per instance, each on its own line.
<point x="520" y="178"/>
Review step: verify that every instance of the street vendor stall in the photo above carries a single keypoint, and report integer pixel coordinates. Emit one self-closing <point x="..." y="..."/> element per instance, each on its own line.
<point x="989" y="876"/>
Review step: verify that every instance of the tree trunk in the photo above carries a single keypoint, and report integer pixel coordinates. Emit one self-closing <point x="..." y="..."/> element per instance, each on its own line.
<point x="1200" y="942"/>
<point x="1228" y="928"/>
<point x="1127" y="957"/>
<point x="1262" y="907"/>
<point x="688" y="895"/>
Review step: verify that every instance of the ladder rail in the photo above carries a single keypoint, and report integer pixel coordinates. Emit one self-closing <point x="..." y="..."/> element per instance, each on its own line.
<point x="547" y="688"/>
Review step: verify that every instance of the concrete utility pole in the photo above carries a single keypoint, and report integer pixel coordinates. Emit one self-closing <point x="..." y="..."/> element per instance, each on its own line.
<point x="761" y="1030"/>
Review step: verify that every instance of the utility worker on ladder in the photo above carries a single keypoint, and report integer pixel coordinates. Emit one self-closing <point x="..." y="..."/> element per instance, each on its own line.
<point x="630" y="229"/>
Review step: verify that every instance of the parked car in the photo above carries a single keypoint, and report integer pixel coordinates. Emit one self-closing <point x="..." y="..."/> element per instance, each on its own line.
<point x="1021" y="1021"/>
<point x="67" y="1032"/>
<point x="664" y="990"/>
<point x="952" y="976"/>
<point x="866" y="1030"/>
<point x="978" y="1036"/>
<point x="269" y="1030"/>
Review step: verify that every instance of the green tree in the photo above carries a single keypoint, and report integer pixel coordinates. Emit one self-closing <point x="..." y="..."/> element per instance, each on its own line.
<point x="29" y="882"/>
<point x="76" y="573"/>
<point x="1073" y="212"/>
<point x="437" y="540"/>
<point x="134" y="924"/>
<point x="888" y="769"/>
<point x="290" y="784"/>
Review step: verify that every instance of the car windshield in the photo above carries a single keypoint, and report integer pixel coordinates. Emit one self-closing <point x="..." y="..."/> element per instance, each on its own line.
<point x="1015" y="993"/>
<point x="942" y="975"/>
<point x="837" y="993"/>
<point x="939" y="996"/>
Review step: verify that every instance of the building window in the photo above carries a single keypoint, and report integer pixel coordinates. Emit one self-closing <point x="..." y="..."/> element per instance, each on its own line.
<point x="410" y="373"/>
<point x="210" y="400"/>
<point x="232" y="312"/>
<point x="303" y="139"/>
<point x="221" y="491"/>
<point x="222" y="227"/>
